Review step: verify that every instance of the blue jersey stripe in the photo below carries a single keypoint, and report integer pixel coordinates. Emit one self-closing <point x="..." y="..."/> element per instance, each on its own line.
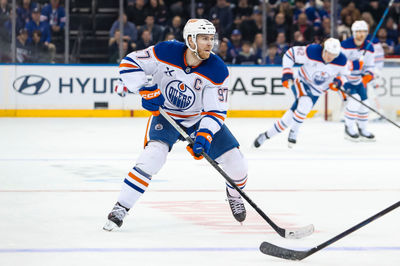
<point x="129" y="71"/>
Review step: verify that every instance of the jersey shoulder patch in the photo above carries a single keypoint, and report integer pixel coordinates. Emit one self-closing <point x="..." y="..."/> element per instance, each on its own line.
<point x="314" y="52"/>
<point x="170" y="52"/>
<point x="348" y="43"/>
<point x="340" y="60"/>
<point x="214" y="69"/>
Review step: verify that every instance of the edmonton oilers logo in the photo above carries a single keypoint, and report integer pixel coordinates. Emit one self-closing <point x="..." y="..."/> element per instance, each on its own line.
<point x="320" y="77"/>
<point x="179" y="94"/>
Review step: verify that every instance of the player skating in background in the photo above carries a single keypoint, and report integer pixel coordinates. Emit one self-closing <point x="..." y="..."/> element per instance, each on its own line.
<point x="323" y="67"/>
<point x="191" y="84"/>
<point x="361" y="56"/>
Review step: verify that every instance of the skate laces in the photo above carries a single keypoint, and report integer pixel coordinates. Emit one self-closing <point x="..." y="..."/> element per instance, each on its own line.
<point x="237" y="205"/>
<point x="118" y="212"/>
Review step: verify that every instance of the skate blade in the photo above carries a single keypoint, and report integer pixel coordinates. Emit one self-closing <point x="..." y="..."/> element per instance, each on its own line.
<point x="364" y="139"/>
<point x="346" y="137"/>
<point x="291" y="145"/>
<point x="110" y="226"/>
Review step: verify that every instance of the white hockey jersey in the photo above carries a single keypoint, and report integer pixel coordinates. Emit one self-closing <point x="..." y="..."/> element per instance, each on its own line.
<point x="313" y="70"/>
<point x="352" y="52"/>
<point x="191" y="93"/>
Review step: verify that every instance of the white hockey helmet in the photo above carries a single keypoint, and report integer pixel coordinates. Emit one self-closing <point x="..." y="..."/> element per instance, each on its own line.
<point x="359" y="25"/>
<point x="332" y="46"/>
<point x="194" y="27"/>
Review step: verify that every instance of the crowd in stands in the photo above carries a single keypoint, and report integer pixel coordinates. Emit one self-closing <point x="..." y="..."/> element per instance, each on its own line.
<point x="238" y="22"/>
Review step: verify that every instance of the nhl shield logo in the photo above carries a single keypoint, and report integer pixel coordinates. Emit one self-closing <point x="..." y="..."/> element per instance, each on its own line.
<point x="180" y="95"/>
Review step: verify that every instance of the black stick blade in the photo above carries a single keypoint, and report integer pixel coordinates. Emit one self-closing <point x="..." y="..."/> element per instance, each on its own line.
<point x="283" y="253"/>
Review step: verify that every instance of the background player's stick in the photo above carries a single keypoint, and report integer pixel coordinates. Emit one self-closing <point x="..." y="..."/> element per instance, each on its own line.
<point x="378" y="26"/>
<point x="289" y="254"/>
<point x="370" y="108"/>
<point x="295" y="233"/>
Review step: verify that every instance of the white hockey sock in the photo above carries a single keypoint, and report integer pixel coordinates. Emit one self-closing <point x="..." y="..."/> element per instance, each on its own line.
<point x="351" y="114"/>
<point x="362" y="117"/>
<point x="235" y="165"/>
<point x="135" y="184"/>
<point x="281" y="124"/>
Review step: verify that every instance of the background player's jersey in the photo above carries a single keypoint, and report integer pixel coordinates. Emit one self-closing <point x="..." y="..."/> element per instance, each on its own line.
<point x="379" y="54"/>
<point x="313" y="70"/>
<point x="190" y="92"/>
<point x="352" y="52"/>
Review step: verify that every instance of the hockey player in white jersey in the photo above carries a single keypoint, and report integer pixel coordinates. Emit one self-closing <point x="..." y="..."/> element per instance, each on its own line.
<point x="322" y="67"/>
<point x="191" y="84"/>
<point x="360" y="53"/>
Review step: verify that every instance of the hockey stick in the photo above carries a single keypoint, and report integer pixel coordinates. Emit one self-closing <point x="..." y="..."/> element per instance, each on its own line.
<point x="370" y="108"/>
<point x="289" y="254"/>
<point x="292" y="234"/>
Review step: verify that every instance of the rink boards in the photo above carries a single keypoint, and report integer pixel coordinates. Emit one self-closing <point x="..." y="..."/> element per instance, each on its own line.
<point x="87" y="91"/>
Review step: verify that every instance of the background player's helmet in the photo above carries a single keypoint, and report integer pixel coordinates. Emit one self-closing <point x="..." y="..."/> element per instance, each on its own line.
<point x="359" y="25"/>
<point x="332" y="46"/>
<point x="194" y="27"/>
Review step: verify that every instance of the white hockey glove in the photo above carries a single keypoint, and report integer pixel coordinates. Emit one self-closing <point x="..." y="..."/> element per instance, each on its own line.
<point x="120" y="89"/>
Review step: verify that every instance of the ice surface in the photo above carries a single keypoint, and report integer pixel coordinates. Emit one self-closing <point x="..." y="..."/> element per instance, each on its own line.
<point x="59" y="178"/>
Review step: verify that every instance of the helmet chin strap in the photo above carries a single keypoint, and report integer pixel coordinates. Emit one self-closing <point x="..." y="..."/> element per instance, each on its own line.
<point x="195" y="49"/>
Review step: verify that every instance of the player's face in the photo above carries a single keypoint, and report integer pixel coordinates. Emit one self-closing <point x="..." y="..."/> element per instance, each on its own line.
<point x="360" y="36"/>
<point x="205" y="43"/>
<point x="328" y="57"/>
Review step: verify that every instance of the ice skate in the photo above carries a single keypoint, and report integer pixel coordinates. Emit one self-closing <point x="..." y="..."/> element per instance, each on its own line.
<point x="260" y="140"/>
<point x="350" y="135"/>
<point x="365" y="135"/>
<point x="116" y="216"/>
<point x="291" y="139"/>
<point x="237" y="207"/>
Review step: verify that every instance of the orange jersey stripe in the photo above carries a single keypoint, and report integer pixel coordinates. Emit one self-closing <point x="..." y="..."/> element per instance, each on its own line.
<point x="138" y="179"/>
<point x="127" y="65"/>
<point x="214" y="114"/>
<point x="182" y="116"/>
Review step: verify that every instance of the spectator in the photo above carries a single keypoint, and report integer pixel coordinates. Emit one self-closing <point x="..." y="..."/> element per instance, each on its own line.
<point x="344" y="30"/>
<point x="312" y="15"/>
<point x="257" y="45"/>
<point x="224" y="53"/>
<point x="130" y="31"/>
<point x="24" y="13"/>
<point x="391" y="29"/>
<point x="304" y="28"/>
<point x="298" y="39"/>
<point x="287" y="9"/>
<point x="253" y="26"/>
<point x="324" y="32"/>
<point x="5" y="10"/>
<point x="325" y="10"/>
<point x="176" y="7"/>
<point x="144" y="40"/>
<point x="351" y="10"/>
<point x="169" y="37"/>
<point x="200" y="11"/>
<point x="387" y="44"/>
<point x="114" y="50"/>
<point x="243" y="9"/>
<point x="23" y="53"/>
<point x="39" y="53"/>
<point x="397" y="47"/>
<point x="245" y="56"/>
<point x="273" y="58"/>
<point x="367" y="17"/>
<point x="176" y="28"/>
<point x="224" y="15"/>
<point x="155" y="30"/>
<point x="280" y="26"/>
<point x="282" y="45"/>
<point x="54" y="15"/>
<point x="158" y="9"/>
<point x="235" y="44"/>
<point x="376" y="9"/>
<point x="136" y="12"/>
<point x="43" y="26"/>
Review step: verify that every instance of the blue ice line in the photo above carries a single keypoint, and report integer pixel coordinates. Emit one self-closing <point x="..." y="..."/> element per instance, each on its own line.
<point x="180" y="159"/>
<point x="204" y="249"/>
